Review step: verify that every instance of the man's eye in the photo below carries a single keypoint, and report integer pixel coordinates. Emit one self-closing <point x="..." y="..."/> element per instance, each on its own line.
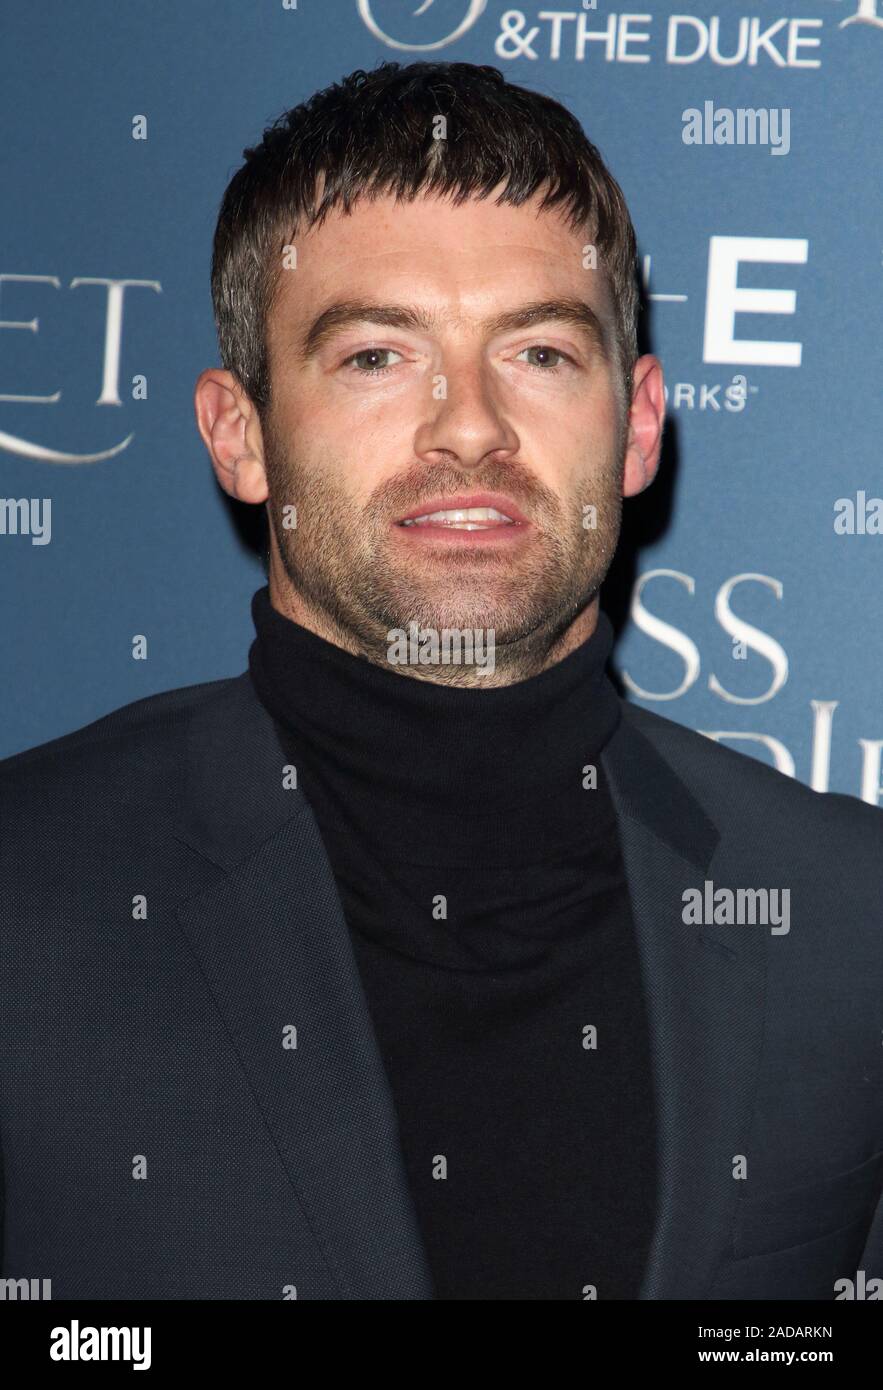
<point x="545" y="353"/>
<point x="370" y="367"/>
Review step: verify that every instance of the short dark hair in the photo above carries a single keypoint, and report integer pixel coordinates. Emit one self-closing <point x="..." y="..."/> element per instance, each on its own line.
<point x="373" y="134"/>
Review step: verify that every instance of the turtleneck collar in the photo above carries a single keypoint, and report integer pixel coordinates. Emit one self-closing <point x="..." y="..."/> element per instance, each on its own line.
<point x="457" y="757"/>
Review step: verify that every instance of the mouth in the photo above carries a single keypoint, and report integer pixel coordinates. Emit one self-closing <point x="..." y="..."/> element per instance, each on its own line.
<point x="462" y="519"/>
<point x="487" y="515"/>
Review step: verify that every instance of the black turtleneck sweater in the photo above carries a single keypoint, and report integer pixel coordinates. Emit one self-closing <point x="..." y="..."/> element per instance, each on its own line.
<point x="484" y="892"/>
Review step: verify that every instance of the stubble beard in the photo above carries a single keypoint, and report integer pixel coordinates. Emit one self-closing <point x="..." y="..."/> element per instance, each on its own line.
<point x="354" y="584"/>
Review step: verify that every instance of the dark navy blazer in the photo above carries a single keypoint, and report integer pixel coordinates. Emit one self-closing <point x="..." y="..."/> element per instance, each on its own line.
<point x="159" y="1141"/>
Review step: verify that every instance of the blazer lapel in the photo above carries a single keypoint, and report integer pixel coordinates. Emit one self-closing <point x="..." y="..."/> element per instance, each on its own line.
<point x="704" y="993"/>
<point x="273" y="945"/>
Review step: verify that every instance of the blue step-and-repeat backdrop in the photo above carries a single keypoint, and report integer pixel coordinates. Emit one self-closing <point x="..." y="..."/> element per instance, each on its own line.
<point x="748" y="138"/>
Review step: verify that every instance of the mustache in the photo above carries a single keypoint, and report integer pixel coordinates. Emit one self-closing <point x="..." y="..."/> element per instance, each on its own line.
<point x="406" y="490"/>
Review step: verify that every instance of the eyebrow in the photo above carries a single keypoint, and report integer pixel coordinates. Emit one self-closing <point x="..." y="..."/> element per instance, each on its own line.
<point x="571" y="311"/>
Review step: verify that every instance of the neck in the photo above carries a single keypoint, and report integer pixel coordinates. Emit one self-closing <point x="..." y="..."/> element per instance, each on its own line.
<point x="459" y="761"/>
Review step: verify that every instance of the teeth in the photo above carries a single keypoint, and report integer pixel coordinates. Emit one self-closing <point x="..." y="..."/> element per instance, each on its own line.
<point x="466" y="518"/>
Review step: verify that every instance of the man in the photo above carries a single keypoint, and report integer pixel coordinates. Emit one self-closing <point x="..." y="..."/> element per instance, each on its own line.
<point x="412" y="962"/>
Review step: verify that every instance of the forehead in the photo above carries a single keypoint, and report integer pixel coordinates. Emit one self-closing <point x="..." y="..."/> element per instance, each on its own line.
<point x="460" y="255"/>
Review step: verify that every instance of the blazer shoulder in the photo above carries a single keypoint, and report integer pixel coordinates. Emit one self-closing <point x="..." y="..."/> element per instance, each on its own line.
<point x="735" y="786"/>
<point x="144" y="724"/>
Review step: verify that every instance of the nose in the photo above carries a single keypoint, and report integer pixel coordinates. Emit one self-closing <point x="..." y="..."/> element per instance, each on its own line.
<point x="466" y="423"/>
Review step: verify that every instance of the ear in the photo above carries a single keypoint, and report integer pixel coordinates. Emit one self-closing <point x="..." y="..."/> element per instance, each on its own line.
<point x="231" y="431"/>
<point x="646" y="419"/>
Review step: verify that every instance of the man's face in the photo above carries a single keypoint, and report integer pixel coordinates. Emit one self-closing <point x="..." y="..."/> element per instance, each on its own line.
<point x="374" y="423"/>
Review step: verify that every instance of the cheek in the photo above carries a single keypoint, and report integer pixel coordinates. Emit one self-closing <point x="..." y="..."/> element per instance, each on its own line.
<point x="323" y="446"/>
<point x="366" y="453"/>
<point x="350" y="420"/>
<point x="589" y="410"/>
<point x="575" y="443"/>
